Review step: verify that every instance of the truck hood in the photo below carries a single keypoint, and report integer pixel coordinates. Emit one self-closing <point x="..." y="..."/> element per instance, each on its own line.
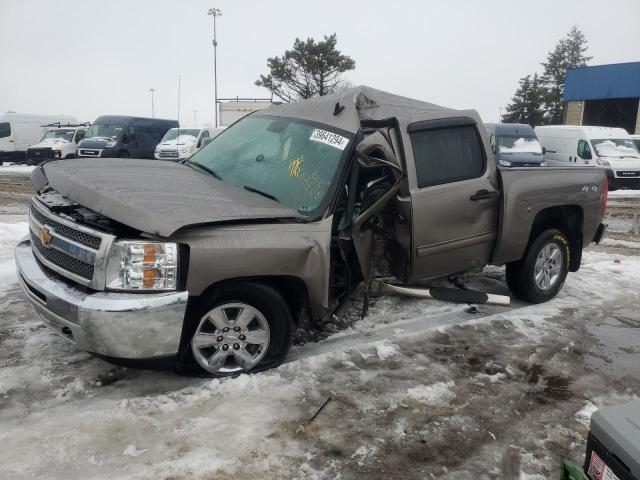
<point x="626" y="163"/>
<point x="519" y="158"/>
<point x="156" y="197"/>
<point x="50" y="142"/>
<point x="96" y="142"/>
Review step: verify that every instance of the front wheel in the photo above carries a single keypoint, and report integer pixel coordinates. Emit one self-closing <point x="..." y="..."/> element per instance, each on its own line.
<point x="541" y="273"/>
<point x="243" y="328"/>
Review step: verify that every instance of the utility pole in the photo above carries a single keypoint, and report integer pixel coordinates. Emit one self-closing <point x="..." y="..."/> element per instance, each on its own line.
<point x="215" y="12"/>
<point x="153" y="111"/>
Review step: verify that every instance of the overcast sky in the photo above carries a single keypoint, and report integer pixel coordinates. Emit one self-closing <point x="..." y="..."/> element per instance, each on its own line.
<point x="88" y="58"/>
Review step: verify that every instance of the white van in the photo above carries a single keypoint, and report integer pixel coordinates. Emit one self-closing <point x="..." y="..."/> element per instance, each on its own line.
<point x="610" y="148"/>
<point x="58" y="142"/>
<point x="18" y="131"/>
<point x="180" y="143"/>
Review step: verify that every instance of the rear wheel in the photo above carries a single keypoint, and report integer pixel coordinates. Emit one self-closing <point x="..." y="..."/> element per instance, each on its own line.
<point x="541" y="273"/>
<point x="244" y="328"/>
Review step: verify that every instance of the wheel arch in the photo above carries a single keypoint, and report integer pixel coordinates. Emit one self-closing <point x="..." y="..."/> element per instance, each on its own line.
<point x="569" y="219"/>
<point x="293" y="290"/>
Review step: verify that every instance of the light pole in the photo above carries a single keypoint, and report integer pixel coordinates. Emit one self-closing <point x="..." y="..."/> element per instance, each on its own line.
<point x="215" y="12"/>
<point x="153" y="111"/>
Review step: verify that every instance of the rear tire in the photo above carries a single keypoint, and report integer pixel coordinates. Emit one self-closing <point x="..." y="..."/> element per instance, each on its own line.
<point x="219" y="349"/>
<point x="541" y="273"/>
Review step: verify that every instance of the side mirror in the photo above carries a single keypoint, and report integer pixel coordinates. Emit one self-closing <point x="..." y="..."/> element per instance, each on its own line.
<point x="375" y="151"/>
<point x="544" y="150"/>
<point x="206" y="141"/>
<point x="494" y="149"/>
<point x="125" y="138"/>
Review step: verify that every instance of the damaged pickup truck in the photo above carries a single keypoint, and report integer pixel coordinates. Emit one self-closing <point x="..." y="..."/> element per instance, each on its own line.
<point x="210" y="262"/>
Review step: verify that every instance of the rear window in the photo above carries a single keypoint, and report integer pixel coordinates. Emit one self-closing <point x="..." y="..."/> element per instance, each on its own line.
<point x="5" y="129"/>
<point x="447" y="155"/>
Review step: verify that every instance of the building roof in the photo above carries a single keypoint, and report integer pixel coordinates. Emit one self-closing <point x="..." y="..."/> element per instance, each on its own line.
<point x="618" y="80"/>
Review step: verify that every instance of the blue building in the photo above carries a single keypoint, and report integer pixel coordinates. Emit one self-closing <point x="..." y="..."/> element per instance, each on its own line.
<point x="603" y="95"/>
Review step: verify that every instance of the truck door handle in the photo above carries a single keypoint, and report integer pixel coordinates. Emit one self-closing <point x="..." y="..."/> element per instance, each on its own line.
<point x="483" y="195"/>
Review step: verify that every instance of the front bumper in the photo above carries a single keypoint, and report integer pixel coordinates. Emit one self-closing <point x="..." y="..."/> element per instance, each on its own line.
<point x="117" y="325"/>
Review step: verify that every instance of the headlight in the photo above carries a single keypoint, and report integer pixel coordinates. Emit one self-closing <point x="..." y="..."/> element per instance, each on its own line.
<point x="56" y="153"/>
<point x="504" y="163"/>
<point x="110" y="144"/>
<point x="543" y="164"/>
<point x="602" y="162"/>
<point x="142" y="265"/>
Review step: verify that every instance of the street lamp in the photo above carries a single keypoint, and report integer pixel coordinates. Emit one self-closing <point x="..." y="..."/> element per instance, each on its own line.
<point x="153" y="111"/>
<point x="215" y="12"/>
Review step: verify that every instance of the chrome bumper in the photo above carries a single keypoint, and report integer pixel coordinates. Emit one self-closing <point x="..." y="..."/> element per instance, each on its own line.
<point x="118" y="325"/>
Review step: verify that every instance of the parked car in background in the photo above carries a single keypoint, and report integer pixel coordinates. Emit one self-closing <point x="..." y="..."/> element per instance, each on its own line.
<point x="58" y="142"/>
<point x="212" y="261"/>
<point x="122" y="136"/>
<point x="180" y="143"/>
<point x="515" y="145"/>
<point x="18" y="131"/>
<point x="610" y="148"/>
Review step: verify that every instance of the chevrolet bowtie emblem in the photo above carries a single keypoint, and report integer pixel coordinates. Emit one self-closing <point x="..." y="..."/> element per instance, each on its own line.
<point x="45" y="236"/>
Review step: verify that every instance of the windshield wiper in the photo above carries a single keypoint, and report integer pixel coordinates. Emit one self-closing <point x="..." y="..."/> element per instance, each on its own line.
<point x="260" y="192"/>
<point x="206" y="169"/>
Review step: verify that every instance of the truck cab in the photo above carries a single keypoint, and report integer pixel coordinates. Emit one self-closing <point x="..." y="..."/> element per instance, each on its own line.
<point x="57" y="143"/>
<point x="515" y="145"/>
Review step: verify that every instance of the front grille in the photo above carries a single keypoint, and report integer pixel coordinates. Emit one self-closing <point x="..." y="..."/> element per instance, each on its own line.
<point x="39" y="154"/>
<point x="168" y="154"/>
<point x="62" y="260"/>
<point x="89" y="153"/>
<point x="86" y="239"/>
<point x="628" y="174"/>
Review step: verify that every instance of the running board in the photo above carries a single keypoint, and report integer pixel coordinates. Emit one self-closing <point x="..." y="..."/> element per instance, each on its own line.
<point x="454" y="295"/>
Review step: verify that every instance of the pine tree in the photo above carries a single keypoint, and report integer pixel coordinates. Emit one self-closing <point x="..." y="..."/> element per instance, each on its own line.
<point x="568" y="53"/>
<point x="309" y="69"/>
<point x="526" y="104"/>
<point x="516" y="110"/>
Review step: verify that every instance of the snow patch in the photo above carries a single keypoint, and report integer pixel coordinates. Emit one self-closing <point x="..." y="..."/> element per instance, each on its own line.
<point x="386" y="350"/>
<point x="436" y="394"/>
<point x="584" y="414"/>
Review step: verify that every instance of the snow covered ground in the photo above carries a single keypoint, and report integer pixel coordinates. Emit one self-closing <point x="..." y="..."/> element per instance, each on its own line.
<point x="8" y="167"/>
<point x="424" y="388"/>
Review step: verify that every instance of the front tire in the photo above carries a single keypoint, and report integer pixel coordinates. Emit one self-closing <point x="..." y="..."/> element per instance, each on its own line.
<point x="244" y="327"/>
<point x="541" y="273"/>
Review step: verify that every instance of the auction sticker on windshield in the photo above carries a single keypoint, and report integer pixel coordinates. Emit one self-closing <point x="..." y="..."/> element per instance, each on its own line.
<point x="328" y="138"/>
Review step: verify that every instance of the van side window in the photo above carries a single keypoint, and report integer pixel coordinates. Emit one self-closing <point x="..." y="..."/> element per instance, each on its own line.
<point x="583" y="150"/>
<point x="80" y="135"/>
<point x="5" y="129"/>
<point x="447" y="155"/>
<point x="130" y="134"/>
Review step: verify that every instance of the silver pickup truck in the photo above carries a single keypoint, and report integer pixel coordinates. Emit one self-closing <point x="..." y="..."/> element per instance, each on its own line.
<point x="212" y="261"/>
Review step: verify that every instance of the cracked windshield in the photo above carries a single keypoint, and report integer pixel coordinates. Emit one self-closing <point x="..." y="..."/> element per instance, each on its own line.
<point x="290" y="161"/>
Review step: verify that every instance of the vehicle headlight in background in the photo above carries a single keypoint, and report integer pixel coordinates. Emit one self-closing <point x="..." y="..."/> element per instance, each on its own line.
<point x="602" y="162"/>
<point x="543" y="164"/>
<point x="56" y="153"/>
<point x="110" y="144"/>
<point x="142" y="265"/>
<point x="504" y="163"/>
